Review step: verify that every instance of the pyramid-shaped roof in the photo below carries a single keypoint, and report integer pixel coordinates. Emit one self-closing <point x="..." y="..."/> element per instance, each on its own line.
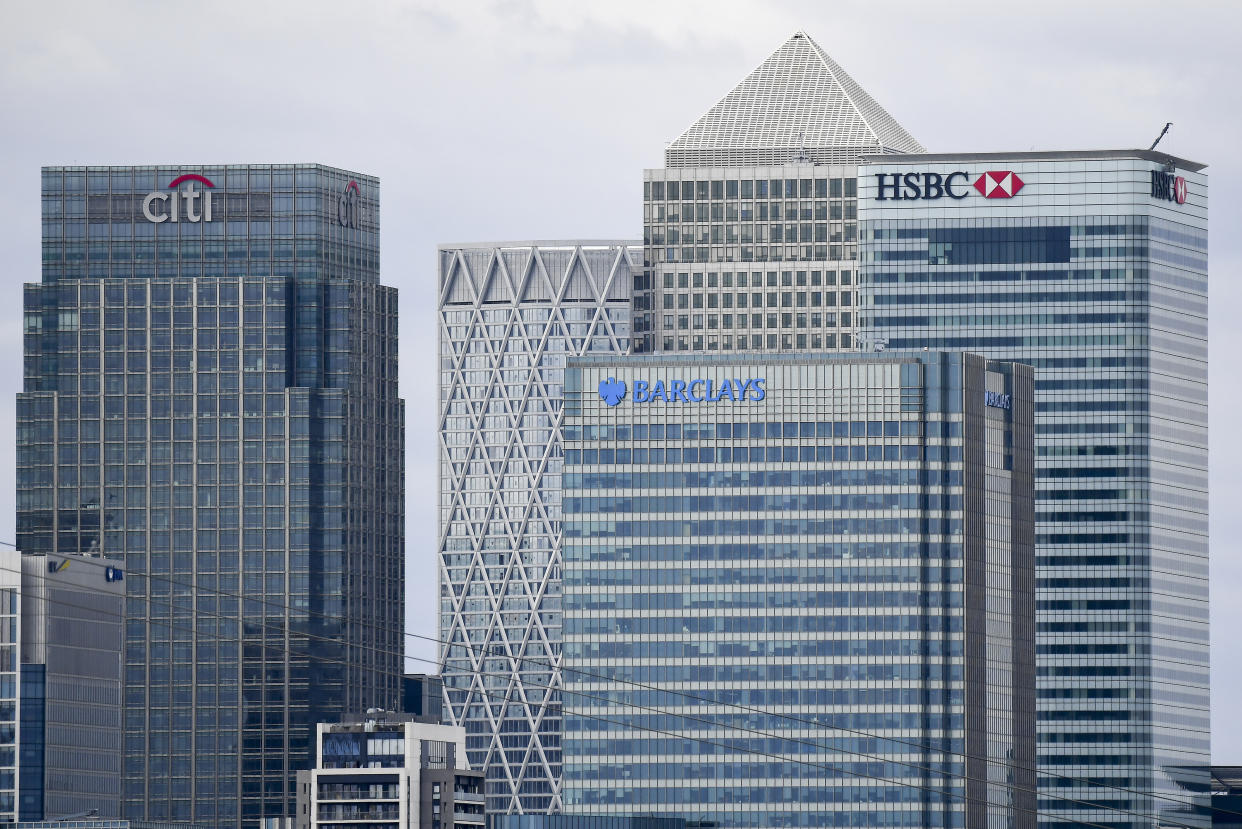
<point x="798" y="105"/>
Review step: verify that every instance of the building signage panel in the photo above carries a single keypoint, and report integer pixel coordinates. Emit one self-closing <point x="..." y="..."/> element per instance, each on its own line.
<point x="1168" y="186"/>
<point x="160" y="207"/>
<point x="998" y="400"/>
<point x="349" y="206"/>
<point x="993" y="184"/>
<point x="612" y="391"/>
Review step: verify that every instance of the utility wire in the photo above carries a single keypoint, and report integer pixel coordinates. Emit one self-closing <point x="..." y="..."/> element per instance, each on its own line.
<point x="732" y="748"/>
<point x="684" y="695"/>
<point x="507" y="699"/>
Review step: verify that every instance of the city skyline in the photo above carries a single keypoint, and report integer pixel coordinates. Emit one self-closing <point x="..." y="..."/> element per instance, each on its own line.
<point x="1026" y="121"/>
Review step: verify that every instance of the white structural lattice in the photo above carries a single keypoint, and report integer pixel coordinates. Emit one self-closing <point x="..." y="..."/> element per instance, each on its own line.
<point x="509" y="316"/>
<point x="798" y="105"/>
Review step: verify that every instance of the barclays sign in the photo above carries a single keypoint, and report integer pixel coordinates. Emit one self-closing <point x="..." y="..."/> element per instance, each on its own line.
<point x="612" y="391"/>
<point x="997" y="400"/>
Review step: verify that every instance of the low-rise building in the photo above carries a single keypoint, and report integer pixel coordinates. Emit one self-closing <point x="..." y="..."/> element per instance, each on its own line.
<point x="396" y="768"/>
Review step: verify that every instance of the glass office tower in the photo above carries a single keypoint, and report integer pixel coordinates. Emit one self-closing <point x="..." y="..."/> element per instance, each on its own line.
<point x="510" y="315"/>
<point x="750" y="228"/>
<point x="1092" y="267"/>
<point x="799" y="590"/>
<point x="210" y="399"/>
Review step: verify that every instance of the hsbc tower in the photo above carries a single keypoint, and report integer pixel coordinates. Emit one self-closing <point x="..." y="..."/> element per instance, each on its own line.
<point x="1092" y="268"/>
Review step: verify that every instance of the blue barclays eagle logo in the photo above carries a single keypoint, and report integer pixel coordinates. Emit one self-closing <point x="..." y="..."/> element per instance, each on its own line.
<point x="612" y="390"/>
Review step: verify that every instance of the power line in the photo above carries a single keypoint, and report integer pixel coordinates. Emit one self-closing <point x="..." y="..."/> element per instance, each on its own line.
<point x="736" y="749"/>
<point x="507" y="699"/>
<point x="682" y="694"/>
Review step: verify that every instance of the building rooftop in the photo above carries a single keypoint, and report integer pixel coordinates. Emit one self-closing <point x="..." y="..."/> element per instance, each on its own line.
<point x="1038" y="155"/>
<point x="798" y="105"/>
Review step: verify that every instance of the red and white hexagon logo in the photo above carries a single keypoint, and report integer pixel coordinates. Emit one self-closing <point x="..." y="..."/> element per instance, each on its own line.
<point x="998" y="184"/>
<point x="1179" y="190"/>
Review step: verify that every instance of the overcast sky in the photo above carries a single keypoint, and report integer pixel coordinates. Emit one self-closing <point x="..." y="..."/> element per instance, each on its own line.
<point x="522" y="119"/>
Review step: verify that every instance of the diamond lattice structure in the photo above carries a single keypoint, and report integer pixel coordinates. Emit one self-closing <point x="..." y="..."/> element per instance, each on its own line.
<point x="509" y="316"/>
<point x="799" y="105"/>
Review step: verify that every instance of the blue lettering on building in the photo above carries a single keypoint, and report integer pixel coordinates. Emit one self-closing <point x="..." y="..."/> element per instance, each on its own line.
<point x="998" y="400"/>
<point x="698" y="390"/>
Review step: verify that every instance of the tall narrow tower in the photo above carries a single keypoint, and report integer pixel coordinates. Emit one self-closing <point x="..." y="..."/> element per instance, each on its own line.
<point x="510" y="314"/>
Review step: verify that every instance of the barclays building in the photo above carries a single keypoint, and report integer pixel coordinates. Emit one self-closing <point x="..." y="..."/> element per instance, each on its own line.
<point x="801" y="586"/>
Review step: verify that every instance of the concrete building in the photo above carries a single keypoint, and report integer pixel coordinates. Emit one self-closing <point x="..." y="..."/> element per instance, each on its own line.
<point x="510" y="315"/>
<point x="210" y="403"/>
<point x="799" y="589"/>
<point x="391" y="770"/>
<point x="1093" y="268"/>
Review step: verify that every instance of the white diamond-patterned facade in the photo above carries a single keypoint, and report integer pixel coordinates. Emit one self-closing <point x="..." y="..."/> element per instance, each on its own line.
<point x="509" y="315"/>
<point x="799" y="105"/>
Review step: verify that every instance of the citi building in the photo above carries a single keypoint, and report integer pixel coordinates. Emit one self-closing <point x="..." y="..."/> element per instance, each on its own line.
<point x="210" y="403"/>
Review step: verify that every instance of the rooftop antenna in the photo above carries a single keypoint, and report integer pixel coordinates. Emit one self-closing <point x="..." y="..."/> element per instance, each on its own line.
<point x="803" y="156"/>
<point x="1158" y="137"/>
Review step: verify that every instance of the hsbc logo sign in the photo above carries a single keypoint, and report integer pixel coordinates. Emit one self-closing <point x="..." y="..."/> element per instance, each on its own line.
<point x="1168" y="187"/>
<point x="993" y="184"/>
<point x="160" y="207"/>
<point x="999" y="184"/>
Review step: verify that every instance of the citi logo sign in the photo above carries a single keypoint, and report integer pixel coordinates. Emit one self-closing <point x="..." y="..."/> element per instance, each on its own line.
<point x="994" y="184"/>
<point x="166" y="207"/>
<point x="612" y="391"/>
<point x="349" y="206"/>
<point x="1168" y="187"/>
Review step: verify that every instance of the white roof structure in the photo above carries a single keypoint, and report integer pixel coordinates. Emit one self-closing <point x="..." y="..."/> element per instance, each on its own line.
<point x="799" y="105"/>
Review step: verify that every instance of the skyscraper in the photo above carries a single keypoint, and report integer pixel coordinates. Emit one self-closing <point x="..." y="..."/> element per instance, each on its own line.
<point x="210" y="399"/>
<point x="750" y="228"/>
<point x="1092" y="267"/>
<point x="801" y="589"/>
<point x="509" y="317"/>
